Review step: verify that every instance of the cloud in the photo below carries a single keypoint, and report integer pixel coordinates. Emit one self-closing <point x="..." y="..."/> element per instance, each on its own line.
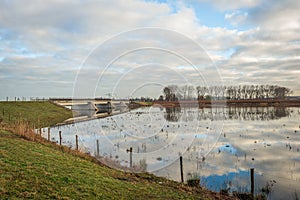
<point x="277" y="15"/>
<point x="232" y="4"/>
<point x="55" y="39"/>
<point x="236" y="17"/>
<point x="139" y="51"/>
<point x="45" y="40"/>
<point x="270" y="52"/>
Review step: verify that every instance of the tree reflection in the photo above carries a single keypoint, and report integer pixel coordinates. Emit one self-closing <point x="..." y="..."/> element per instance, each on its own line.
<point x="174" y="114"/>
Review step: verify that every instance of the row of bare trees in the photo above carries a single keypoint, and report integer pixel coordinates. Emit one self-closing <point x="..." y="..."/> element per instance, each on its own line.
<point x="189" y="92"/>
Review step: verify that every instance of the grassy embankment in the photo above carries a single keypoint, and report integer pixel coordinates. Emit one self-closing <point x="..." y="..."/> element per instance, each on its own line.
<point x="43" y="170"/>
<point x="37" y="114"/>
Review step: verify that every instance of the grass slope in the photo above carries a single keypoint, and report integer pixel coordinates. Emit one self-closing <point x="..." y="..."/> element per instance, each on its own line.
<point x="39" y="114"/>
<point x="32" y="170"/>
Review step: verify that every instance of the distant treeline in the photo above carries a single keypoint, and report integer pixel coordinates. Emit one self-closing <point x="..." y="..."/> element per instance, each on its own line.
<point x="189" y="92"/>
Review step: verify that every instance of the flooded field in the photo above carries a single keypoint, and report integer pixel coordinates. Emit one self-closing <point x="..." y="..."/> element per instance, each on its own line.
<point x="218" y="145"/>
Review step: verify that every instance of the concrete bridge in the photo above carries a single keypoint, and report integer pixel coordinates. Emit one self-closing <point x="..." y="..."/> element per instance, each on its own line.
<point x="92" y="104"/>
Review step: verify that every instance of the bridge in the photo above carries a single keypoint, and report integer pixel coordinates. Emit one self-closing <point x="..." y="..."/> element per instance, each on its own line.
<point x="98" y="105"/>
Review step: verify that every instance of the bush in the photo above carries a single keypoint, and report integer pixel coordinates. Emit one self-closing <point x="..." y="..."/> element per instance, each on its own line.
<point x="193" y="182"/>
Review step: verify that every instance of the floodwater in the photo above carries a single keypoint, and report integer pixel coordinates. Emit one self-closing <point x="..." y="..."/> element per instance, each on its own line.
<point x="218" y="145"/>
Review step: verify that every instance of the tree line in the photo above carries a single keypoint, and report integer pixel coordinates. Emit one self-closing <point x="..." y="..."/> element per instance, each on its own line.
<point x="189" y="92"/>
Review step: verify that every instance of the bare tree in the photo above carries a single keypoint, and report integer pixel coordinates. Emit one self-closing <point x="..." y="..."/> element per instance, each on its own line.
<point x="167" y="93"/>
<point x="188" y="92"/>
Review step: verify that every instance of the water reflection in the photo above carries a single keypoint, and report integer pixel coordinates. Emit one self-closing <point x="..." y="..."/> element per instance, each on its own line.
<point x="266" y="139"/>
<point x="103" y="111"/>
<point x="173" y="114"/>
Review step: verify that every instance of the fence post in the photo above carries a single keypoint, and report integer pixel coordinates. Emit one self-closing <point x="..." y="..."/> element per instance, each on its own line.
<point x="130" y="156"/>
<point x="60" y="138"/>
<point x="48" y="133"/>
<point x="181" y="169"/>
<point x="40" y="130"/>
<point x="77" y="142"/>
<point x="98" y="152"/>
<point x="252" y="181"/>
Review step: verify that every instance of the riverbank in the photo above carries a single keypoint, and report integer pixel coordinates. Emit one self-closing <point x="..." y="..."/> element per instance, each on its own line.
<point x="44" y="170"/>
<point x="36" y="113"/>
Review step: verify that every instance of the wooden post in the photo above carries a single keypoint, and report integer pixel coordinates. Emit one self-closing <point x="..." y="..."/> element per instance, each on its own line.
<point x="9" y="116"/>
<point x="130" y="156"/>
<point x="252" y="181"/>
<point x="181" y="169"/>
<point x="48" y="133"/>
<point x="3" y="112"/>
<point x="76" y="142"/>
<point x="60" y="138"/>
<point x="98" y="152"/>
<point x="40" y="130"/>
<point x="38" y="121"/>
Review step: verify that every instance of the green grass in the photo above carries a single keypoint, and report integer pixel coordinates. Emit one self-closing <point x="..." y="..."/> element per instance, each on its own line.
<point x="38" y="114"/>
<point x="39" y="171"/>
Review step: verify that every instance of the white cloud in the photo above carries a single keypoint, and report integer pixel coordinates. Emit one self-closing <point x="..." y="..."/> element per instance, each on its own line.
<point x="236" y="17"/>
<point x="52" y="39"/>
<point x="232" y="4"/>
<point x="277" y="15"/>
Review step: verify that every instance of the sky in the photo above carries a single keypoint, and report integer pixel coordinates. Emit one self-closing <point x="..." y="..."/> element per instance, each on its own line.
<point x="127" y="48"/>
